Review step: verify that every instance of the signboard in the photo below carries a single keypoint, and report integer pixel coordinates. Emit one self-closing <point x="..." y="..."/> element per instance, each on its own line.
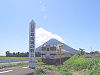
<point x="60" y="46"/>
<point x="32" y="45"/>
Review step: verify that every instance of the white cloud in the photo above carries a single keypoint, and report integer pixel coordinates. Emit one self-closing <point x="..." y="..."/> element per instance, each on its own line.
<point x="43" y="36"/>
<point x="42" y="6"/>
<point x="43" y="9"/>
<point x="40" y="2"/>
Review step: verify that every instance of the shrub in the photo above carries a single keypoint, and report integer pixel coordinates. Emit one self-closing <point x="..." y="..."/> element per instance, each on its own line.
<point x="50" y="67"/>
<point x="81" y="63"/>
<point x="68" y="63"/>
<point x="39" y="71"/>
<point x="95" y="70"/>
<point x="64" y="72"/>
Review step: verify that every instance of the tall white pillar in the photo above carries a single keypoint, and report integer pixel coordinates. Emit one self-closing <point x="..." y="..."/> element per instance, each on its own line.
<point x="32" y="45"/>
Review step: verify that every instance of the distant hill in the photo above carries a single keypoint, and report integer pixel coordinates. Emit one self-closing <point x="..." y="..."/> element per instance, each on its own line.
<point x="56" y="42"/>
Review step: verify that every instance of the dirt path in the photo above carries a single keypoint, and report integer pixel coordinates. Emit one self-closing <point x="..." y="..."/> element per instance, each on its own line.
<point x="75" y="72"/>
<point x="50" y="72"/>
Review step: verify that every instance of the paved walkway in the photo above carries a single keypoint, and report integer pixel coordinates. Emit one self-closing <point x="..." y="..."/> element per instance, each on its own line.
<point x="16" y="71"/>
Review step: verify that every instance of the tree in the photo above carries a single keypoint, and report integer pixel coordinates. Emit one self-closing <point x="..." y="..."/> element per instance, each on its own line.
<point x="96" y="52"/>
<point x="82" y="52"/>
<point x="7" y="53"/>
<point x="37" y="54"/>
<point x="18" y="54"/>
<point x="14" y="54"/>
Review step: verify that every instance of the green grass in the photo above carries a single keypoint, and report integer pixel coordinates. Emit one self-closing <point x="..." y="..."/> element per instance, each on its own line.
<point x="64" y="72"/>
<point x="39" y="61"/>
<point x="12" y="58"/>
<point x="59" y="69"/>
<point x="15" y="58"/>
<point x="50" y="67"/>
<point x="95" y="70"/>
<point x="80" y="63"/>
<point x="39" y="71"/>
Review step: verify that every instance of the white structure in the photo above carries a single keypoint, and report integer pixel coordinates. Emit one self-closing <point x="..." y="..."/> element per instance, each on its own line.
<point x="32" y="45"/>
<point x="49" y="51"/>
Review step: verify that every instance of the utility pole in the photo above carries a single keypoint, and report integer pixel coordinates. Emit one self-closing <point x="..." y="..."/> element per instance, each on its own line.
<point x="60" y="55"/>
<point x="60" y="46"/>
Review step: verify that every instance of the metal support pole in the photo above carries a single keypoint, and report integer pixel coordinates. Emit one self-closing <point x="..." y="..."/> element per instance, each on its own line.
<point x="60" y="55"/>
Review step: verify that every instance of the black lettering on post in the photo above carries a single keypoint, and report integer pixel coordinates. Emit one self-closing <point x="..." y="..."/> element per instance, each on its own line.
<point x="31" y="50"/>
<point x="32" y="34"/>
<point x="32" y="38"/>
<point x="32" y="42"/>
<point x="31" y="46"/>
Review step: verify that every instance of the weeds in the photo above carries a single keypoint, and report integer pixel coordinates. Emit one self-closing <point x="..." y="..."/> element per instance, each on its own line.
<point x="39" y="71"/>
<point x="80" y="63"/>
<point x="8" y="66"/>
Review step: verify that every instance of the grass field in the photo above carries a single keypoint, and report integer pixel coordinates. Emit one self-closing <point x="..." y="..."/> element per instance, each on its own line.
<point x="15" y="58"/>
<point x="87" y="66"/>
<point x="38" y="62"/>
<point x="76" y="64"/>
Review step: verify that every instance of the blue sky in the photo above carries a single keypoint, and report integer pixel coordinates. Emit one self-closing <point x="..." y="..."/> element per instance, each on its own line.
<point x="76" y="21"/>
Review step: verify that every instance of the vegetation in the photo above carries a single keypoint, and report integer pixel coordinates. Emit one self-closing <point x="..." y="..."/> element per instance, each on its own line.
<point x="39" y="71"/>
<point x="16" y="58"/>
<point x="80" y="63"/>
<point x="38" y="61"/>
<point x="19" y="64"/>
<point x="84" y="63"/>
<point x="95" y="52"/>
<point x="81" y="51"/>
<point x="18" y="54"/>
<point x="12" y="58"/>
<point x="56" y="69"/>
<point x="63" y="70"/>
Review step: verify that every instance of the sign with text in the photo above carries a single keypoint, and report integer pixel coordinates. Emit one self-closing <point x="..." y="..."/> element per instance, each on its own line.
<point x="32" y="45"/>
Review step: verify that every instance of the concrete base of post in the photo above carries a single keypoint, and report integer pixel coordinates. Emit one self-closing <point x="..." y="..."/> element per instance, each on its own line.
<point x="32" y="67"/>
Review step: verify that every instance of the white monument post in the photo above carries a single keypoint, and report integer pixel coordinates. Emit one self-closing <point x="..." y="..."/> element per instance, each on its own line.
<point x="32" y="45"/>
